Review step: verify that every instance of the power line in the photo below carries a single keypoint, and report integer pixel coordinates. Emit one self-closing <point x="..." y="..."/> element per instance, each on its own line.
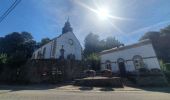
<point x="9" y="10"/>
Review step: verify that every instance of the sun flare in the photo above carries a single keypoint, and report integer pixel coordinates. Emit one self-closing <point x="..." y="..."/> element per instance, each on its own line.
<point x="103" y="13"/>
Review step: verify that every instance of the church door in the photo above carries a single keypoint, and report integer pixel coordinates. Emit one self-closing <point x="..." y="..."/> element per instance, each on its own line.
<point x="122" y="68"/>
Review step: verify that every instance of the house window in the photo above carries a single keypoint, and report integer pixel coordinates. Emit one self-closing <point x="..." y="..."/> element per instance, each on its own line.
<point x="138" y="62"/>
<point x="108" y="65"/>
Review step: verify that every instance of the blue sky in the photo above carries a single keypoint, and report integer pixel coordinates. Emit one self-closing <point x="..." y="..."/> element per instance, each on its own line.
<point x="45" y="18"/>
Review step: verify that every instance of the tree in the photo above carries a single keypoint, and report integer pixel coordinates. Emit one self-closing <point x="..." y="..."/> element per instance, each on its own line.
<point x="44" y="41"/>
<point x="93" y="61"/>
<point x="111" y="42"/>
<point x="91" y="44"/>
<point x="165" y="31"/>
<point x="3" y="59"/>
<point x="151" y="35"/>
<point x="94" y="45"/>
<point x="18" y="47"/>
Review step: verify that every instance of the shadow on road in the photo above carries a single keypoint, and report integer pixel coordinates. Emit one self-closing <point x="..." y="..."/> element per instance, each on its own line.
<point x="86" y="88"/>
<point x="106" y="89"/>
<point x="12" y="88"/>
<point x="156" y="89"/>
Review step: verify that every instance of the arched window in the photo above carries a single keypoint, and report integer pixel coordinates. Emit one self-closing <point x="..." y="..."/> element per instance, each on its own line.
<point x="44" y="51"/>
<point x="138" y="62"/>
<point x="39" y="55"/>
<point x="108" y="64"/>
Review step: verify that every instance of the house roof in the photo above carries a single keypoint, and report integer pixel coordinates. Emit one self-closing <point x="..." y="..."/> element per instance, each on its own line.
<point x="141" y="43"/>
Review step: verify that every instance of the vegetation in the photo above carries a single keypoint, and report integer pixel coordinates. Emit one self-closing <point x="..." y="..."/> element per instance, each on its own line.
<point x="93" y="45"/>
<point x="44" y="41"/>
<point x="17" y="47"/>
<point x="3" y="59"/>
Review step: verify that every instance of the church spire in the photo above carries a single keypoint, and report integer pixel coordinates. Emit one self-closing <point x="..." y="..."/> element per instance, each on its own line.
<point x="67" y="27"/>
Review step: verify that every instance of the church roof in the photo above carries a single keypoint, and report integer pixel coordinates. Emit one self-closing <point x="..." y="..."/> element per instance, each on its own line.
<point x="141" y="43"/>
<point x="67" y="28"/>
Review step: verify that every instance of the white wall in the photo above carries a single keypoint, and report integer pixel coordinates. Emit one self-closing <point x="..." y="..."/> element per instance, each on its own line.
<point x="75" y="49"/>
<point x="69" y="49"/>
<point x="128" y="54"/>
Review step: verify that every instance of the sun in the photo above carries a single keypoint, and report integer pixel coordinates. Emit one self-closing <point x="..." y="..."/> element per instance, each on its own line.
<point x="103" y="13"/>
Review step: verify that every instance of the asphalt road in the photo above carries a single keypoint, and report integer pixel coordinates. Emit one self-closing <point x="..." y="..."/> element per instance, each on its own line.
<point x="65" y="95"/>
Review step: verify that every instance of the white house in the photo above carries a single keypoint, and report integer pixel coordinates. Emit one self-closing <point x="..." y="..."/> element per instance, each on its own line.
<point x="129" y="58"/>
<point x="65" y="46"/>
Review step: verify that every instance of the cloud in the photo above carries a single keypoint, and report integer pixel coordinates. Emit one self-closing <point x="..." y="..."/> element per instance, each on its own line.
<point x="154" y="27"/>
<point x="85" y="21"/>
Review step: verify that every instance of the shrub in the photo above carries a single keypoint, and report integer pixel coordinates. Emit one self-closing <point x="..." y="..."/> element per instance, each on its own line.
<point x="167" y="74"/>
<point x="107" y="73"/>
<point x="144" y="72"/>
<point x="90" y="73"/>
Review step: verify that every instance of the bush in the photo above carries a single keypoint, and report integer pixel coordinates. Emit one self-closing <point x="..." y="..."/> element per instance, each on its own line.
<point x="90" y="73"/>
<point x="3" y="59"/>
<point x="167" y="67"/>
<point x="156" y="72"/>
<point x="152" y="81"/>
<point x="107" y="73"/>
<point x="167" y="74"/>
<point x="144" y="72"/>
<point x="93" y="62"/>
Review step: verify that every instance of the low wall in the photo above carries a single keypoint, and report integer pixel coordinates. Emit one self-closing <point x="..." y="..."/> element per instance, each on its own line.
<point x="44" y="70"/>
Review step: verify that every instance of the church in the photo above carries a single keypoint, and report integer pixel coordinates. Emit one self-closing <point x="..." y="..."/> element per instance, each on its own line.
<point x="130" y="58"/>
<point x="65" y="46"/>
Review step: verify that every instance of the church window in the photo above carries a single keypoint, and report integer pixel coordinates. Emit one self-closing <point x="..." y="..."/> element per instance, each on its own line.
<point x="108" y="64"/>
<point x="44" y="50"/>
<point x="138" y="62"/>
<point x="54" y="48"/>
<point x="39" y="55"/>
<point x="33" y="57"/>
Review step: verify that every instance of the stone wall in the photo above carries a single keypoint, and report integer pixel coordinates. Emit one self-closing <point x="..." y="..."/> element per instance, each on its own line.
<point x="46" y="71"/>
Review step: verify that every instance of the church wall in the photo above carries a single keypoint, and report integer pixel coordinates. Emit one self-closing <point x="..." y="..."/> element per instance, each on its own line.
<point x="48" y="50"/>
<point x="74" y="49"/>
<point x="62" y="40"/>
<point x="52" y="49"/>
<point x="36" y="53"/>
<point x="145" y="51"/>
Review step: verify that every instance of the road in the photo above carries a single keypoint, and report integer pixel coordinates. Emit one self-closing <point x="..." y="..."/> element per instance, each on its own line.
<point x="81" y="95"/>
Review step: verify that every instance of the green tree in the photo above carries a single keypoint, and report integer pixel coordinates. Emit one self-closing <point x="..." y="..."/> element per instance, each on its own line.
<point x="44" y="41"/>
<point x="3" y="59"/>
<point x="93" y="61"/>
<point x="94" y="45"/>
<point x="111" y="42"/>
<point x="91" y="44"/>
<point x="18" y="47"/>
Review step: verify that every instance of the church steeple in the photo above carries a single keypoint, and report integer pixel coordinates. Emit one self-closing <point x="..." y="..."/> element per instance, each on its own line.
<point x="67" y="27"/>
